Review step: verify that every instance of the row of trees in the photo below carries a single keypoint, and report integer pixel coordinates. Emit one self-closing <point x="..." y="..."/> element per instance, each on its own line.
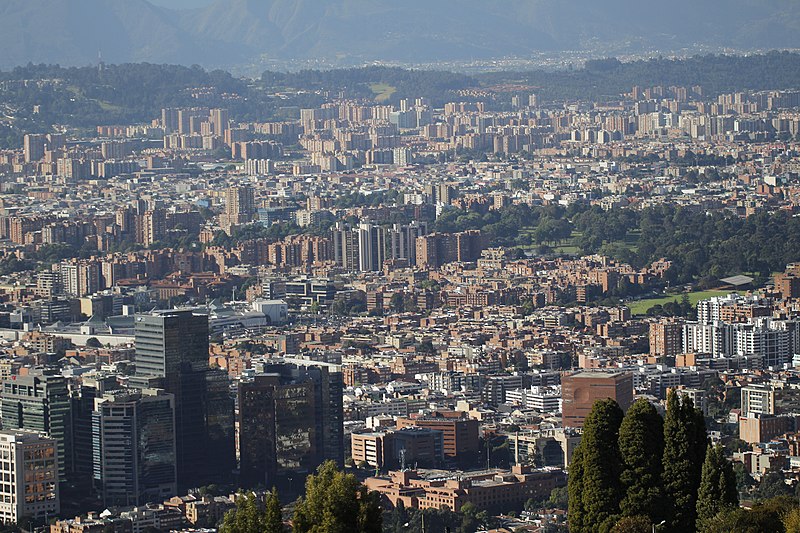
<point x="334" y="502"/>
<point x="641" y="468"/>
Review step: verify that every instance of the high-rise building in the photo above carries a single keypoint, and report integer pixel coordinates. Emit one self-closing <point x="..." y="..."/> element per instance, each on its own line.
<point x="219" y="424"/>
<point x="290" y="421"/>
<point x="172" y="353"/>
<point x="82" y="396"/>
<point x="133" y="442"/>
<point x="346" y="247"/>
<point x="219" y="121"/>
<point x="732" y="308"/>
<point x="29" y="469"/>
<point x="666" y="338"/>
<point x="371" y="247"/>
<point x="437" y="249"/>
<point x="40" y="402"/>
<point x="189" y="119"/>
<point x="33" y="146"/>
<point x="579" y="391"/>
<point x="440" y="193"/>
<point x="775" y="341"/>
<point x="80" y="277"/>
<point x="402" y="240"/>
<point x="169" y="120"/>
<point x="154" y="226"/>
<point x="239" y="206"/>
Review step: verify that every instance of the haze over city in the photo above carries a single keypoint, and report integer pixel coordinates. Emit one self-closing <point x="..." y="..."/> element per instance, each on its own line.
<point x="383" y="267"/>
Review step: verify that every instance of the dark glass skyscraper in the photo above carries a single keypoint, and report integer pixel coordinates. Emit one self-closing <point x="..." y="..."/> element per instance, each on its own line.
<point x="133" y="440"/>
<point x="172" y="353"/>
<point x="290" y="421"/>
<point x="41" y="402"/>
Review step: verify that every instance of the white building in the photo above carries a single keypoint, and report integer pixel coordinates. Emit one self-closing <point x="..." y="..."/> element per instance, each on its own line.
<point x="29" y="469"/>
<point x="758" y="399"/>
<point x="540" y="399"/>
<point x="276" y="311"/>
<point x="775" y="341"/>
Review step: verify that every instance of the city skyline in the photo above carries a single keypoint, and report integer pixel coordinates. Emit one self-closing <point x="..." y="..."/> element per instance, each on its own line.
<point x="382" y="267"/>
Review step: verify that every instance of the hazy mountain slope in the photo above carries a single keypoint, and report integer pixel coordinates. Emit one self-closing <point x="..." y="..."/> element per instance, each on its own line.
<point x="73" y="32"/>
<point x="424" y="30"/>
<point x="230" y="32"/>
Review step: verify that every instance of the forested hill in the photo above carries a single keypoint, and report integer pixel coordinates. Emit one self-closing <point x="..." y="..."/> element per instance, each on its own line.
<point x="607" y="78"/>
<point x="717" y="74"/>
<point x="127" y="93"/>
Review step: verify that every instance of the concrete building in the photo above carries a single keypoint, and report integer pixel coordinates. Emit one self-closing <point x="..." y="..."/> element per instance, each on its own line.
<point x="666" y="338"/>
<point x="276" y="311"/>
<point x="580" y="391"/>
<point x="496" y="491"/>
<point x="758" y="400"/>
<point x="398" y="448"/>
<point x="29" y="469"/>
<point x="756" y="428"/>
<point x="460" y="434"/>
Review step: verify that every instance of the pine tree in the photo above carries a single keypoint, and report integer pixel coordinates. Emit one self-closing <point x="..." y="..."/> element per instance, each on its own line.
<point x="717" y="490"/>
<point x="699" y="433"/>
<point x="575" y="511"/>
<point x="370" y="515"/>
<point x="641" y="446"/>
<point x="685" y="442"/>
<point x="601" y="490"/>
<point x="273" y="519"/>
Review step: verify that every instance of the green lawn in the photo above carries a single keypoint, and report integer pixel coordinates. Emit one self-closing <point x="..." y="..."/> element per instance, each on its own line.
<point x="640" y="307"/>
<point x="567" y="249"/>
<point x="383" y="92"/>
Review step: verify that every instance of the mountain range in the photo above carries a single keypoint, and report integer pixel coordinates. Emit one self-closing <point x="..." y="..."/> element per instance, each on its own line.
<point x="227" y="33"/>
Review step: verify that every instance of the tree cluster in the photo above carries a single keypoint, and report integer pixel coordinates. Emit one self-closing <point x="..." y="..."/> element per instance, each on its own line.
<point x="684" y="308"/>
<point x="703" y="247"/>
<point x="251" y="515"/>
<point x="638" y="468"/>
<point x="776" y="515"/>
<point x="403" y="520"/>
<point x="334" y="502"/>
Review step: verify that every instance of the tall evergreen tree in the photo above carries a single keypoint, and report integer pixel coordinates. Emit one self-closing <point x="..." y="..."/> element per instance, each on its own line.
<point x="717" y="487"/>
<point x="685" y="442"/>
<point x="575" y="511"/>
<point x="273" y="518"/>
<point x="641" y="446"/>
<point x="699" y="433"/>
<point x="601" y="490"/>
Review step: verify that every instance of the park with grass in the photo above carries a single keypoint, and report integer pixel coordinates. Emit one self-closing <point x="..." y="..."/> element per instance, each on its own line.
<point x="640" y="307"/>
<point x="383" y="91"/>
